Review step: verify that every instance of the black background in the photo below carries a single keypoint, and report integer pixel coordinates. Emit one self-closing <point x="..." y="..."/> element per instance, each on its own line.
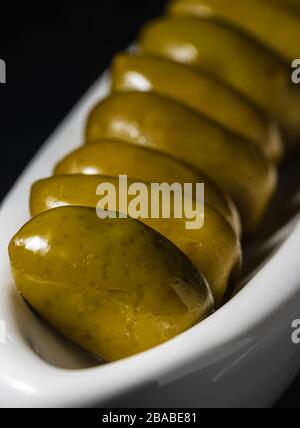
<point x="53" y="54"/>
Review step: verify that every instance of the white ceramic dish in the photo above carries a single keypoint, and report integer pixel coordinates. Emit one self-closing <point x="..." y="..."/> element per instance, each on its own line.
<point x="242" y="356"/>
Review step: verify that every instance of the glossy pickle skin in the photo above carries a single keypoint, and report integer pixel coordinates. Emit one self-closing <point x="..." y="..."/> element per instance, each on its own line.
<point x="114" y="158"/>
<point x="231" y="56"/>
<point x="199" y="91"/>
<point x="214" y="249"/>
<point x="238" y="166"/>
<point x="277" y="28"/>
<point x="121" y="290"/>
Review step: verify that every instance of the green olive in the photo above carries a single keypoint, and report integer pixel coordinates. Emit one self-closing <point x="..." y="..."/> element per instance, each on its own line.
<point x="238" y="166"/>
<point x="230" y="55"/>
<point x="114" y="158"/>
<point x="113" y="286"/>
<point x="214" y="248"/>
<point x="201" y="92"/>
<point x="275" y="27"/>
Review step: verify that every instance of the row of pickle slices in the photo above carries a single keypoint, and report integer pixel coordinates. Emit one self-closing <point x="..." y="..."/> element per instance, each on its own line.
<point x="206" y="96"/>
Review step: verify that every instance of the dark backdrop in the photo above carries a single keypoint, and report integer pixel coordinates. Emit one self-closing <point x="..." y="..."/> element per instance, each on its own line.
<point x="53" y="54"/>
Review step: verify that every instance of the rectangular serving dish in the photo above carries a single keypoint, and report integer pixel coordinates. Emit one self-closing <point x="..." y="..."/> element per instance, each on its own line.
<point x="242" y="356"/>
